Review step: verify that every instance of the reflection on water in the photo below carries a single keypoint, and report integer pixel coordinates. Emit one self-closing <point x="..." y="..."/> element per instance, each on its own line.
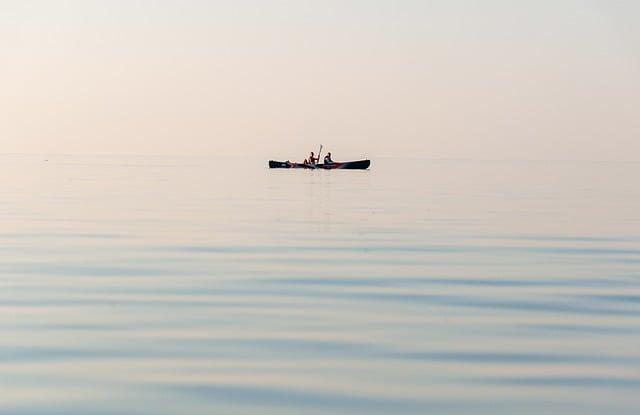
<point x="157" y="285"/>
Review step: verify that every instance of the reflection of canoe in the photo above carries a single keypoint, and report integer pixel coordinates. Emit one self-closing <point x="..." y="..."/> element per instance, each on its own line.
<point x="352" y="165"/>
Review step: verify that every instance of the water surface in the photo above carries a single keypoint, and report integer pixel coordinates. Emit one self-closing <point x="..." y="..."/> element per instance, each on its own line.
<point x="173" y="285"/>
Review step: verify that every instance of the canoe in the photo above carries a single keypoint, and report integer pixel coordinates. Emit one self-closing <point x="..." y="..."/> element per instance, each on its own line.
<point x="349" y="165"/>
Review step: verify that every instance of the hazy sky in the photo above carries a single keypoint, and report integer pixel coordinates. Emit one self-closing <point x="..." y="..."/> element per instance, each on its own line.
<point x="486" y="79"/>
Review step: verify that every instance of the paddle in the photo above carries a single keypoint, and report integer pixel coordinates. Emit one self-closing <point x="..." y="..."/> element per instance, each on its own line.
<point x="319" y="152"/>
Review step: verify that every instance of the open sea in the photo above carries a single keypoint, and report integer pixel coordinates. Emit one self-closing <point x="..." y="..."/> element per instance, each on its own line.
<point x="194" y="285"/>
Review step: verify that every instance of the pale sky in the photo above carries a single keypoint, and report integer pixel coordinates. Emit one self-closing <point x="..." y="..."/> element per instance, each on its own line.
<point x="538" y="79"/>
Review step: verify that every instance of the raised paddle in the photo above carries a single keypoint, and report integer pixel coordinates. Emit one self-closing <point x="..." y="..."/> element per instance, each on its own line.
<point x="319" y="152"/>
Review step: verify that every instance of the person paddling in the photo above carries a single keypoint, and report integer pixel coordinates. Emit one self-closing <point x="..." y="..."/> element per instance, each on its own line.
<point x="327" y="159"/>
<point x="312" y="159"/>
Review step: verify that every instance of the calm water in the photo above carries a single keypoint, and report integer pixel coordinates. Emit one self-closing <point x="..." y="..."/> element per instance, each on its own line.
<point x="156" y="285"/>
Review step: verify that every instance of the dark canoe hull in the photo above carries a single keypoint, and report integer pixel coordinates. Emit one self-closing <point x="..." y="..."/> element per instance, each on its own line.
<point x="346" y="165"/>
